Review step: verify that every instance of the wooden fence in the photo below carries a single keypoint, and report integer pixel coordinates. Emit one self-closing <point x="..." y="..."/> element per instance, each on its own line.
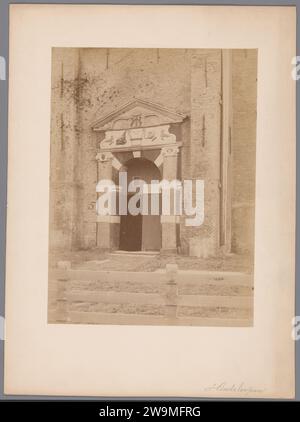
<point x="170" y="291"/>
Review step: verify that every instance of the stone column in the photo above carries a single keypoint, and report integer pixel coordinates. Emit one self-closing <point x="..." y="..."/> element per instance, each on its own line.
<point x="169" y="222"/>
<point x="107" y="225"/>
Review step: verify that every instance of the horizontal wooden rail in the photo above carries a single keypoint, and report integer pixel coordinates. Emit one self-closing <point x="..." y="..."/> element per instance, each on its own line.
<point x="77" y="317"/>
<point x="157" y="299"/>
<point x="213" y="278"/>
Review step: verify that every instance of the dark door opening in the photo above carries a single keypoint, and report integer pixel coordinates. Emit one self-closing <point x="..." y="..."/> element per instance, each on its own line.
<point x="131" y="232"/>
<point x="141" y="232"/>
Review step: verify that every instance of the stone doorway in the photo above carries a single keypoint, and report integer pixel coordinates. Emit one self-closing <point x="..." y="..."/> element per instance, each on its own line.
<point x="139" y="138"/>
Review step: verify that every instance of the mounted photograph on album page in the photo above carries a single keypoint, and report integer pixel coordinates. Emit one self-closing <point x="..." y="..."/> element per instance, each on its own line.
<point x="151" y="201"/>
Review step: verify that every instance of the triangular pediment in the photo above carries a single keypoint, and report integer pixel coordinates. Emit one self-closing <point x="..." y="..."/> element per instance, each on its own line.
<point x="136" y="114"/>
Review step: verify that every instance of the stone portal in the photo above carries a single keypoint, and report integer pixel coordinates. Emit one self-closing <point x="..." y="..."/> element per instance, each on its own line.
<point x="141" y="139"/>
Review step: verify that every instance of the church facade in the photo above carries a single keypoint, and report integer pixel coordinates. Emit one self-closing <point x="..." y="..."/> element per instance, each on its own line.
<point x="153" y="114"/>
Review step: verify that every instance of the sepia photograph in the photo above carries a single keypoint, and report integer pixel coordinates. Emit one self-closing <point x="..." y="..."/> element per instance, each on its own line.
<point x="151" y="204"/>
<point x="152" y="186"/>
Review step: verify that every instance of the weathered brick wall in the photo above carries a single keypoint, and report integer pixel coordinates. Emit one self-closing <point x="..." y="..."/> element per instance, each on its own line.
<point x="201" y="152"/>
<point x="64" y="189"/>
<point x="111" y="79"/>
<point x="244" y="82"/>
<point x="90" y="83"/>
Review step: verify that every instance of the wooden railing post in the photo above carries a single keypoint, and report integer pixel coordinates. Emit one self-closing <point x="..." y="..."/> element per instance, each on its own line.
<point x="62" y="290"/>
<point x="171" y="290"/>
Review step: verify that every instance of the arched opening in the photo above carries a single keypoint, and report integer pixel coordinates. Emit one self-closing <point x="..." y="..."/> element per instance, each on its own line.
<point x="141" y="232"/>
